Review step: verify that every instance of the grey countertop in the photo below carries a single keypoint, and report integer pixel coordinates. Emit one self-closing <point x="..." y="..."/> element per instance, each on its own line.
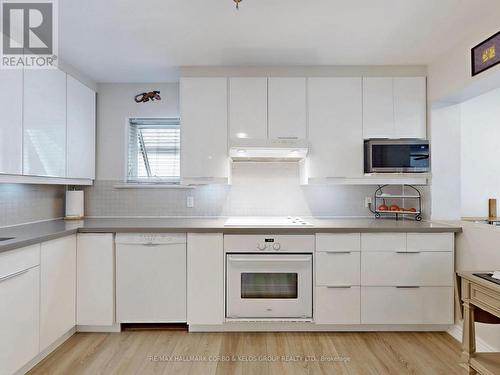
<point x="28" y="234"/>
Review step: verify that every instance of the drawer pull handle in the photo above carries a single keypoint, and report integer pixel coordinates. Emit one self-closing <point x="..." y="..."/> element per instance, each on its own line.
<point x="339" y="252"/>
<point x="407" y="287"/>
<point x="12" y="275"/>
<point x="339" y="286"/>
<point x="408" y="252"/>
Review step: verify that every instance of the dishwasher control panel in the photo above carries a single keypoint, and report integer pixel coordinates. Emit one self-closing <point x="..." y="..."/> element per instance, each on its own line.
<point x="150" y="238"/>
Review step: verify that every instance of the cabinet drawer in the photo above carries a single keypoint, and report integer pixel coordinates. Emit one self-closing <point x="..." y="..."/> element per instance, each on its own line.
<point x="338" y="242"/>
<point x="485" y="297"/>
<point x="337" y="269"/>
<point x="391" y="305"/>
<point x="430" y="241"/>
<point x="407" y="269"/>
<point x="337" y="305"/>
<point x="383" y="242"/>
<point x="19" y="260"/>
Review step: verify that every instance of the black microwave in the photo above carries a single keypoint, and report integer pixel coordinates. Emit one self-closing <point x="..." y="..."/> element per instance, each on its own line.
<point x="397" y="156"/>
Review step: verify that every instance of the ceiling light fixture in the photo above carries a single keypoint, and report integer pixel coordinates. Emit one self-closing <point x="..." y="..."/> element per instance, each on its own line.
<point x="237" y="3"/>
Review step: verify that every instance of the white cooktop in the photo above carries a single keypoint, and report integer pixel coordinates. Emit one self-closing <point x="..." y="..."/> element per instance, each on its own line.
<point x="266" y="222"/>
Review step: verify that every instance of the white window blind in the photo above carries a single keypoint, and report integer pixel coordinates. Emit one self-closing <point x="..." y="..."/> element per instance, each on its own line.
<point x="154" y="150"/>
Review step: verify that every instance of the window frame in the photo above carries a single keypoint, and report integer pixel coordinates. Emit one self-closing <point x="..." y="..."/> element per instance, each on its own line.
<point x="148" y="182"/>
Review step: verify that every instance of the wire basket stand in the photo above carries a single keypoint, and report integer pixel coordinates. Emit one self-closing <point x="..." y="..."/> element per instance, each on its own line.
<point x="409" y="192"/>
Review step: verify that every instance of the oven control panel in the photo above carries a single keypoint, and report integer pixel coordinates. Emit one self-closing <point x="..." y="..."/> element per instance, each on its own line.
<point x="235" y="243"/>
<point x="269" y="244"/>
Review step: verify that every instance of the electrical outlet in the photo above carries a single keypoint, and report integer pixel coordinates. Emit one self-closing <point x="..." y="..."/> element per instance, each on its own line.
<point x="368" y="201"/>
<point x="190" y="201"/>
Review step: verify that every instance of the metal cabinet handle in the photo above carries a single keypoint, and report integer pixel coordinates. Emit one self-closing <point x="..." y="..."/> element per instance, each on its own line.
<point x="338" y="252"/>
<point x="408" y="287"/>
<point x="339" y="286"/>
<point x="408" y="252"/>
<point x="12" y="275"/>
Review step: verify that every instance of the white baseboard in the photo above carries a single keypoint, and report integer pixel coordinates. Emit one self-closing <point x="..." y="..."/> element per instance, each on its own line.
<point x="269" y="326"/>
<point x="107" y="329"/>
<point x="456" y="332"/>
<point x="41" y="356"/>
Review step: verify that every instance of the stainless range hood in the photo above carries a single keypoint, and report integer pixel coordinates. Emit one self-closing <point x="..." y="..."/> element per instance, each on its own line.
<point x="287" y="150"/>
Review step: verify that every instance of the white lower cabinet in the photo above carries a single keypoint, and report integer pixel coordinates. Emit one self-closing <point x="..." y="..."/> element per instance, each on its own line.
<point x="384" y="278"/>
<point x="95" y="287"/>
<point x="19" y="314"/>
<point x="57" y="289"/>
<point x="399" y="305"/>
<point x="205" y="278"/>
<point x="407" y="269"/>
<point x="337" y="305"/>
<point x="337" y="268"/>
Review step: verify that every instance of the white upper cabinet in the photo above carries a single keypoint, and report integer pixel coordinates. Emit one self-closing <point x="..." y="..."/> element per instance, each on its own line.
<point x="44" y="123"/>
<point x="11" y="125"/>
<point x="287" y="108"/>
<point x="80" y="147"/>
<point x="394" y="107"/>
<point x="204" y="153"/>
<point x="410" y="107"/>
<point x="335" y="127"/>
<point x="248" y="107"/>
<point x="378" y="108"/>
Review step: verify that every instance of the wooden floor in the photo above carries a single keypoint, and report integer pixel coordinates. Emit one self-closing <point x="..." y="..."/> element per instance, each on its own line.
<point x="174" y="352"/>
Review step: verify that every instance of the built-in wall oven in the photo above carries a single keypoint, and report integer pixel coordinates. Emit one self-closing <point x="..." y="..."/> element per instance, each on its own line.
<point x="269" y="276"/>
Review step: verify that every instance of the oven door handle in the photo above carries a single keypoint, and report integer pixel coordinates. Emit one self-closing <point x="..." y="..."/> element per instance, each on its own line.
<point x="279" y="258"/>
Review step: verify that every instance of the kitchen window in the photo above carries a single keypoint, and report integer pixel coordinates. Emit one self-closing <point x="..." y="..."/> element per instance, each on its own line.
<point x="154" y="150"/>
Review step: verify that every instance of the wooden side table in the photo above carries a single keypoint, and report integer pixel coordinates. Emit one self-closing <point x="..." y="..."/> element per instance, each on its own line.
<point x="481" y="303"/>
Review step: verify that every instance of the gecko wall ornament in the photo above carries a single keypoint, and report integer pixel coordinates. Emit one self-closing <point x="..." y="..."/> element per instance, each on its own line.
<point x="237" y="3"/>
<point x="147" y="96"/>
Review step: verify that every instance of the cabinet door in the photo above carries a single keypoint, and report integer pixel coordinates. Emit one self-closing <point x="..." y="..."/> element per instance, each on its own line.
<point x="11" y="126"/>
<point x="378" y="107"/>
<point x="19" y="319"/>
<point x="95" y="279"/>
<point x="410" y="107"/>
<point x="390" y="305"/>
<point x="58" y="289"/>
<point x="248" y="107"/>
<point x="335" y="127"/>
<point x="80" y="145"/>
<point x="205" y="278"/>
<point x="337" y="305"/>
<point x="204" y="154"/>
<point x="287" y="108"/>
<point x="44" y="123"/>
<point x="433" y="268"/>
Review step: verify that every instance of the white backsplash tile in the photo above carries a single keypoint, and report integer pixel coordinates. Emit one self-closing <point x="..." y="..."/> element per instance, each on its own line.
<point x="262" y="189"/>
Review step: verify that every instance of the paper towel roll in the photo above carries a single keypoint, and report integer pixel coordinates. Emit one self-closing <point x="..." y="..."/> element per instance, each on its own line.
<point x="74" y="204"/>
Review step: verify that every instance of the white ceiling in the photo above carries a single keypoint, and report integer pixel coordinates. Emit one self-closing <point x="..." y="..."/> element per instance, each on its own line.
<point x="146" y="41"/>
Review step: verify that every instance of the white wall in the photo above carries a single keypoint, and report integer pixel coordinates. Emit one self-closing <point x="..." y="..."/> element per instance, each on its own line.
<point x="449" y="75"/>
<point x="480" y="153"/>
<point x="445" y="187"/>
<point x="115" y="104"/>
<point x="478" y="249"/>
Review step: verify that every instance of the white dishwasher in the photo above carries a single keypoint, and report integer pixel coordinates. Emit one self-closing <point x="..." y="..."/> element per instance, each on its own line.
<point x="150" y="277"/>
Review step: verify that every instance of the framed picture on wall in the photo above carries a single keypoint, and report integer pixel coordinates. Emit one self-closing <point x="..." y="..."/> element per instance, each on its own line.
<point x="486" y="54"/>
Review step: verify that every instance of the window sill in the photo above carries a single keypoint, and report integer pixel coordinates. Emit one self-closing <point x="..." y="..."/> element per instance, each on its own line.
<point x="152" y="186"/>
